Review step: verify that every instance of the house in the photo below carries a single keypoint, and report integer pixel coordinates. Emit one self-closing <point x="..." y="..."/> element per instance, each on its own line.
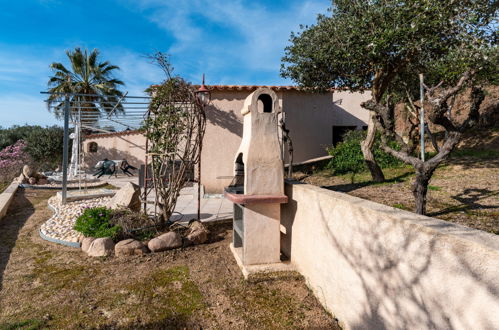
<point x="314" y="120"/>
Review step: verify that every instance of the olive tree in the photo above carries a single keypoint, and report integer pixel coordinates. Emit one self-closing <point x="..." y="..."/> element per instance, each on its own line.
<point x="366" y="45"/>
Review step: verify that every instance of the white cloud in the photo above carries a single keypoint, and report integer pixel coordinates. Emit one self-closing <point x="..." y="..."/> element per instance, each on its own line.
<point x="23" y="76"/>
<point x="261" y="35"/>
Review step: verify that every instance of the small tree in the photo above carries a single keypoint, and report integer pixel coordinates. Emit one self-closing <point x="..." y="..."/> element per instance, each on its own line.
<point x="45" y="145"/>
<point x="365" y="45"/>
<point x="175" y="127"/>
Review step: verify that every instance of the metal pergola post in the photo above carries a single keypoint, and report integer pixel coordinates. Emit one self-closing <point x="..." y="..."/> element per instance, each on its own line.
<point x="65" y="150"/>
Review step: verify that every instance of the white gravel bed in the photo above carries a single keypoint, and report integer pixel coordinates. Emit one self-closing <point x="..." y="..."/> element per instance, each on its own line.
<point x="60" y="225"/>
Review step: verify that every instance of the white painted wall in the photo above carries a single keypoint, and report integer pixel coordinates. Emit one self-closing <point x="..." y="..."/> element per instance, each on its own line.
<point x="377" y="267"/>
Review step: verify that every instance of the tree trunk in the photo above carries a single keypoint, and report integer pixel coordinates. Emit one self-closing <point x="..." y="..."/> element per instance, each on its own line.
<point x="367" y="146"/>
<point x="420" y="187"/>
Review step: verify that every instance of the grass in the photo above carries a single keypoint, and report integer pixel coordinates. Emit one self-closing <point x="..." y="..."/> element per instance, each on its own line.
<point x="32" y="324"/>
<point x="474" y="153"/>
<point x="3" y="186"/>
<point x="434" y="188"/>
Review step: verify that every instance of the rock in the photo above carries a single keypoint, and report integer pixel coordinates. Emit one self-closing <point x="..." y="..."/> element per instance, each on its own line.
<point x="101" y="247"/>
<point x="28" y="171"/>
<point x="42" y="181"/>
<point x="197" y="233"/>
<point x="22" y="179"/>
<point x="128" y="196"/>
<point x="129" y="247"/>
<point x="170" y="240"/>
<point x="85" y="243"/>
<point x="32" y="180"/>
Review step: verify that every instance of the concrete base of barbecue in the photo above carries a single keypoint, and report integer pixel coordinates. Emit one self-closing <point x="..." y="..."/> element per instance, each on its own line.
<point x="251" y="270"/>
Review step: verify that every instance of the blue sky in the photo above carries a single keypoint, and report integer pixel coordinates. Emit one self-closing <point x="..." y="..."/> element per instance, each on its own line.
<point x="233" y="42"/>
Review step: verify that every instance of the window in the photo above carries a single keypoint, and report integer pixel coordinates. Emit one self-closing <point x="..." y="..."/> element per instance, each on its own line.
<point x="339" y="131"/>
<point x="92" y="147"/>
<point x="265" y="100"/>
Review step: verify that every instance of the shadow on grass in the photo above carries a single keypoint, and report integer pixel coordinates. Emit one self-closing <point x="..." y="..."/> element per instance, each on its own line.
<point x="469" y="199"/>
<point x="347" y="187"/>
<point x="19" y="211"/>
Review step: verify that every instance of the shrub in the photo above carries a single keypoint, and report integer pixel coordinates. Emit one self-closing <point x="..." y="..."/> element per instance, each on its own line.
<point x="43" y="144"/>
<point x="348" y="158"/>
<point x="95" y="222"/>
<point x="135" y="225"/>
<point x="12" y="159"/>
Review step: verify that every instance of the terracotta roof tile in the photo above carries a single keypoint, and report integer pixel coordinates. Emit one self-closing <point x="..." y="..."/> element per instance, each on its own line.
<point x="248" y="87"/>
<point x="102" y="135"/>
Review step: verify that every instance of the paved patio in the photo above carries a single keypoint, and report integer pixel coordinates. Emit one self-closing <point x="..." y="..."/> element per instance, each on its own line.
<point x="213" y="207"/>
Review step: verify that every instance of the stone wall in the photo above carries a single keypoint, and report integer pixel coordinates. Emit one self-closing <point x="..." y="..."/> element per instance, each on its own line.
<point x="6" y="197"/>
<point x="377" y="267"/>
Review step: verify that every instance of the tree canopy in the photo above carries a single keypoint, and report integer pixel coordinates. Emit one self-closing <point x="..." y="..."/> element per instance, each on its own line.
<point x="87" y="75"/>
<point x="365" y="45"/>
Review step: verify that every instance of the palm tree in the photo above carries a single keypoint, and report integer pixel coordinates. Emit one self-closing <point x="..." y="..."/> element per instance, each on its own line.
<point x="92" y="81"/>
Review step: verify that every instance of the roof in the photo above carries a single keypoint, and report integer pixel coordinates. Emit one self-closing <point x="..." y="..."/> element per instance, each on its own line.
<point x="249" y="88"/>
<point x="103" y="135"/>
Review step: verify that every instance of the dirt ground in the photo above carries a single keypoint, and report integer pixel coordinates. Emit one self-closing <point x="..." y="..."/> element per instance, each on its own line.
<point x="43" y="285"/>
<point x="464" y="190"/>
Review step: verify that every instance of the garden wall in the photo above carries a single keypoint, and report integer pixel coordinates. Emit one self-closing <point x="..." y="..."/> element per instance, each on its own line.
<point x="6" y="197"/>
<point x="377" y="267"/>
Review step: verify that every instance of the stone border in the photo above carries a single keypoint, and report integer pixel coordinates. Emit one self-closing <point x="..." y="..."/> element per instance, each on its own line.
<point x="6" y="197"/>
<point x="58" y="241"/>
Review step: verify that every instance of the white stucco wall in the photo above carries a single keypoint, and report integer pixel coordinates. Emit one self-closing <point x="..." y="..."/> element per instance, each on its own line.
<point x="115" y="147"/>
<point x="377" y="267"/>
<point x="309" y="116"/>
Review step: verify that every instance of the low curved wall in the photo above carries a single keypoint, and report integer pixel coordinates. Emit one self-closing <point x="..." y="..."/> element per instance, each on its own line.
<point x="6" y="197"/>
<point x="377" y="267"/>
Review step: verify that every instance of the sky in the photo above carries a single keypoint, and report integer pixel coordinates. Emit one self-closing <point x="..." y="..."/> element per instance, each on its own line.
<point x="234" y="42"/>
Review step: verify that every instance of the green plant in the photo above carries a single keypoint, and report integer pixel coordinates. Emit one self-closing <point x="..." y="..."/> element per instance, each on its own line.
<point x="87" y="75"/>
<point x="95" y="222"/>
<point x="348" y="158"/>
<point x="434" y="188"/>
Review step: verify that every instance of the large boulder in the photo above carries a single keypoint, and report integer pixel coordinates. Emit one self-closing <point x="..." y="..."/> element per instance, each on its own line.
<point x="101" y="247"/>
<point x="127" y="197"/>
<point x="196" y="234"/>
<point x="85" y="243"/>
<point x="28" y="171"/>
<point x="129" y="247"/>
<point x="168" y="241"/>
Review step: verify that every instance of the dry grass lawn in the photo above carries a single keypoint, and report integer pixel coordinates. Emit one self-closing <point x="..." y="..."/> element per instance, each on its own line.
<point x="465" y="190"/>
<point x="47" y="285"/>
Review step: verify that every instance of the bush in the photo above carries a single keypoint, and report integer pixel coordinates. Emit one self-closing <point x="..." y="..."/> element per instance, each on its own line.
<point x="135" y="225"/>
<point x="95" y="222"/>
<point x="348" y="158"/>
<point x="12" y="159"/>
<point x="43" y="144"/>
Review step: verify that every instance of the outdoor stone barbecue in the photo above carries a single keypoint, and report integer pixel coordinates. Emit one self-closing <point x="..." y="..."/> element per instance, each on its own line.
<point x="258" y="186"/>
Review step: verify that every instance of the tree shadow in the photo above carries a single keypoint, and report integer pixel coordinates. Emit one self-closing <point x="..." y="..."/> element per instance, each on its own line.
<point x="385" y="268"/>
<point x="225" y="119"/>
<point x="347" y="187"/>
<point x="18" y="213"/>
<point x="469" y="199"/>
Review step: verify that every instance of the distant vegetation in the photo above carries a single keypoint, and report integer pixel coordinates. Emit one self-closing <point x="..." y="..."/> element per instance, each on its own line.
<point x="42" y="144"/>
